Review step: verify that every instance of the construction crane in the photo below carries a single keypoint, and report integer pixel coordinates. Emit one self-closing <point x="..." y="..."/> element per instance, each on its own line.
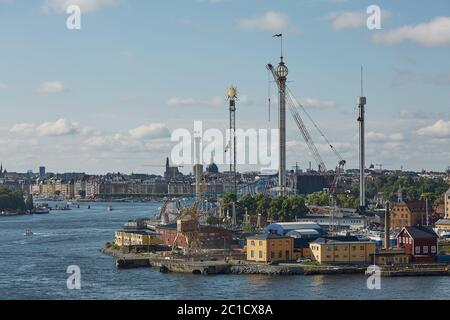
<point x="189" y="226"/>
<point x="293" y="108"/>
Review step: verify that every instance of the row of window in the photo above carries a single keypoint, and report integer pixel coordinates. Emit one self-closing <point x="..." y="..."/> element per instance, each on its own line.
<point x="272" y="254"/>
<point x="425" y="250"/>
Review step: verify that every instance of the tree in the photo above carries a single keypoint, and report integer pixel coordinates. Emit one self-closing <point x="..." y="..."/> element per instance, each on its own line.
<point x="29" y="202"/>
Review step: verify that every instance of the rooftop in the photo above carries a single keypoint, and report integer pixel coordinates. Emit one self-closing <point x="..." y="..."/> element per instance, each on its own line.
<point x="269" y="236"/>
<point x="337" y="241"/>
<point x="421" y="232"/>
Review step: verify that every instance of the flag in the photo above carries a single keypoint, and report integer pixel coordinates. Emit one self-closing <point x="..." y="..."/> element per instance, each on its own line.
<point x="278" y="35"/>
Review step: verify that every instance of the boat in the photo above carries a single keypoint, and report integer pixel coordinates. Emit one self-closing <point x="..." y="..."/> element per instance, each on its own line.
<point x="109" y="208"/>
<point x="28" y="232"/>
<point x="41" y="210"/>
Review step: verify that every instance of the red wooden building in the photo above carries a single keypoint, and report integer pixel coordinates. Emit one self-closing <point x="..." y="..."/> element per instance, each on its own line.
<point x="420" y="242"/>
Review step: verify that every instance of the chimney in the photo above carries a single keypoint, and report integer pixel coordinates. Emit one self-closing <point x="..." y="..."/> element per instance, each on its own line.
<point x="387" y="226"/>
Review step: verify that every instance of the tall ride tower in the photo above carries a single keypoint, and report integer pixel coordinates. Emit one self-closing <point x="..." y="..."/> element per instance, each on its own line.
<point x="232" y="96"/>
<point x="281" y="73"/>
<point x="362" y="150"/>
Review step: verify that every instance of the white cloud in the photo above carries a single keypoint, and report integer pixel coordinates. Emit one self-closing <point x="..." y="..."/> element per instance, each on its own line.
<point x="430" y="34"/>
<point x="60" y="6"/>
<point x="23" y="128"/>
<point x="215" y="101"/>
<point x="51" y="87"/>
<point x="441" y="129"/>
<point x="352" y="19"/>
<point x="373" y="136"/>
<point x="347" y="20"/>
<point x="59" y="128"/>
<point x="269" y="21"/>
<point x="315" y="103"/>
<point x="181" y="102"/>
<point x="152" y="131"/>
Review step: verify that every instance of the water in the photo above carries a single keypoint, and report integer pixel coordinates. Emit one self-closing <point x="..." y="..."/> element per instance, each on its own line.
<point x="34" y="267"/>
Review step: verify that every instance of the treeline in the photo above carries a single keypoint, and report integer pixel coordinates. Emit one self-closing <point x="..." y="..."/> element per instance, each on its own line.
<point x="387" y="187"/>
<point x="280" y="208"/>
<point x="13" y="200"/>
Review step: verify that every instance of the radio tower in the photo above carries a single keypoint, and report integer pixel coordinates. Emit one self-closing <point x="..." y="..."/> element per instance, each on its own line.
<point x="362" y="155"/>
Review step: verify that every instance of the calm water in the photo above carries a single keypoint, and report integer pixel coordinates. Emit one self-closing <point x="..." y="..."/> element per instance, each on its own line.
<point x="34" y="267"/>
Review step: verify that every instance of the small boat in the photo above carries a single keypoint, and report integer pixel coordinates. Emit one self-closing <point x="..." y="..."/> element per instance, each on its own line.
<point x="109" y="208"/>
<point x="41" y="210"/>
<point x="28" y="232"/>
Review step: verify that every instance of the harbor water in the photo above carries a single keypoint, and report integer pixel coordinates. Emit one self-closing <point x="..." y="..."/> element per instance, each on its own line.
<point x="34" y="266"/>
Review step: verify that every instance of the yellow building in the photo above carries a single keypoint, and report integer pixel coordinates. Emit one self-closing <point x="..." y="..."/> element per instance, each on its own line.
<point x="270" y="247"/>
<point x="342" y="252"/>
<point x="137" y="238"/>
<point x="443" y="224"/>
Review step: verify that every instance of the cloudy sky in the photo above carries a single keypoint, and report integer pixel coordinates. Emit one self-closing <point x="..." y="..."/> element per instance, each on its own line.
<point x="107" y="97"/>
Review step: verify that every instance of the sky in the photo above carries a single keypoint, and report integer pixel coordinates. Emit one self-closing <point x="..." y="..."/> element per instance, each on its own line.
<point x="108" y="96"/>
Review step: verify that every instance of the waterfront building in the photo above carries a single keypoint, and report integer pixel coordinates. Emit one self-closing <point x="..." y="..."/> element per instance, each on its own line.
<point x="447" y="204"/>
<point x="408" y="214"/>
<point x="334" y="251"/>
<point x="270" y="247"/>
<point x="392" y="256"/>
<point x="210" y="237"/>
<point x="419" y="242"/>
<point x="136" y="238"/>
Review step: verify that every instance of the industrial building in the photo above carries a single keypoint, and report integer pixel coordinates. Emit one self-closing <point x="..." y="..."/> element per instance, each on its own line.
<point x="342" y="252"/>
<point x="305" y="229"/>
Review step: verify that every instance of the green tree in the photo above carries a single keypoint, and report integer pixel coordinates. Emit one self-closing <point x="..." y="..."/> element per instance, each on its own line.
<point x="29" y="202"/>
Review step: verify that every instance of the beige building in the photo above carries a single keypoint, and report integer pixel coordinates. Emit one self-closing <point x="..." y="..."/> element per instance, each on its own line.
<point x="342" y="252"/>
<point x="136" y="238"/>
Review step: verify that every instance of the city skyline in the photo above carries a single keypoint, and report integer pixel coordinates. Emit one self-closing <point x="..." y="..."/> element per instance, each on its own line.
<point x="106" y="98"/>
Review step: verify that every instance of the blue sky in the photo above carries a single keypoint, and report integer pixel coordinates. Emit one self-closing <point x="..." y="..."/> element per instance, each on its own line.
<point x="70" y="99"/>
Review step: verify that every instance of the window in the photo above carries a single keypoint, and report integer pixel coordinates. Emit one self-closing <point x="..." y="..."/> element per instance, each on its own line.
<point x="361" y="248"/>
<point x="287" y="255"/>
<point x="260" y="254"/>
<point x="260" y="243"/>
<point x="425" y="249"/>
<point x="252" y="242"/>
<point x="433" y="249"/>
<point x="272" y="254"/>
<point x="353" y="248"/>
<point x="280" y="254"/>
<point x="252" y="254"/>
<point x="417" y="250"/>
